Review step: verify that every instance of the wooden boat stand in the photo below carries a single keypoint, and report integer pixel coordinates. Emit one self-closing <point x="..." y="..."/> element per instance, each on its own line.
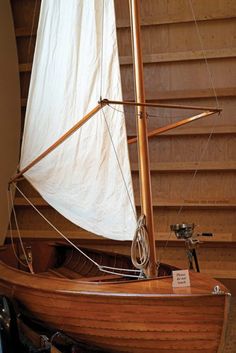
<point x="30" y="340"/>
<point x="29" y="337"/>
<point x="58" y="342"/>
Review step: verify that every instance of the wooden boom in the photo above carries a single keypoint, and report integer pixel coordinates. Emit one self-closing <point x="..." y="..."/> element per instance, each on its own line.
<point x="60" y="140"/>
<point x="163" y="129"/>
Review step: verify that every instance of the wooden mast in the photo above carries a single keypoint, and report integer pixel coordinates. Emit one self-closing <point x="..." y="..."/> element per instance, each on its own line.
<point x="145" y="179"/>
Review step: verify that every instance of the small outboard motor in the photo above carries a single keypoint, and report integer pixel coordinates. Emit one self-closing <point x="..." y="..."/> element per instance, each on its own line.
<point x="185" y="231"/>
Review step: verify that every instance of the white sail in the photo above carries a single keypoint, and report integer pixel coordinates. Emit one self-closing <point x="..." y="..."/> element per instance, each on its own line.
<point x="76" y="60"/>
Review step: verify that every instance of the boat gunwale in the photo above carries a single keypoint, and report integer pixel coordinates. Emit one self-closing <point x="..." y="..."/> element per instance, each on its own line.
<point x="90" y="288"/>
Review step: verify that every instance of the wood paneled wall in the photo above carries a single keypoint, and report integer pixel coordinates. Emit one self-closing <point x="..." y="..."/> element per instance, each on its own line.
<point x="192" y="167"/>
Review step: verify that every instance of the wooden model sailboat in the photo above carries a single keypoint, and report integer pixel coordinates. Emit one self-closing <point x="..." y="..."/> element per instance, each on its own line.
<point x="77" y="293"/>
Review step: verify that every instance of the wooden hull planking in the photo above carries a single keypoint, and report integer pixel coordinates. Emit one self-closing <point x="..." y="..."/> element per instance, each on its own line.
<point x="134" y="317"/>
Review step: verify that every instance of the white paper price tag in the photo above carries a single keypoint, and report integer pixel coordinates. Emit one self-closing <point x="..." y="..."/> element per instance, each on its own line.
<point x="181" y="279"/>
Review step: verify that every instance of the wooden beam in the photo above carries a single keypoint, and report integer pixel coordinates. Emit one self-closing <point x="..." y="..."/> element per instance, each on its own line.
<point x="57" y="143"/>
<point x="174" y="125"/>
<point x="161" y="105"/>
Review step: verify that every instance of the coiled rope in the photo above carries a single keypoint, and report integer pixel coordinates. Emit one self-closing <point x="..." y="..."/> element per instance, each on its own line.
<point x="140" y="250"/>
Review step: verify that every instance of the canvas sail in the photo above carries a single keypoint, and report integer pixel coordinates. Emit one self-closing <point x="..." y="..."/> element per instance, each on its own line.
<point x="87" y="178"/>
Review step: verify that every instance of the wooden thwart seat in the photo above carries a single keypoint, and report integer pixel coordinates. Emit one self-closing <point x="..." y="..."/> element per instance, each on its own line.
<point x="63" y="272"/>
<point x="100" y="278"/>
<point x="56" y="273"/>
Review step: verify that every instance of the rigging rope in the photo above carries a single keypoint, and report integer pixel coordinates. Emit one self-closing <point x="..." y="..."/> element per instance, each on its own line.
<point x="104" y="116"/>
<point x="108" y="269"/>
<point x="204" y="52"/>
<point x="28" y="264"/>
<point x="119" y="165"/>
<point x="140" y="247"/>
<point x="10" y="191"/>
<point x="190" y="185"/>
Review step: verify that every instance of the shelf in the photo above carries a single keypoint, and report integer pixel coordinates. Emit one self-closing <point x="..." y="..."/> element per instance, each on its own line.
<point x="220" y="273"/>
<point x="206" y="204"/>
<point x="167" y="57"/>
<point x="25" y="32"/>
<point x="23" y="102"/>
<point x="182" y="56"/>
<point x="154" y="96"/>
<point x="37" y="201"/>
<point x="150" y="21"/>
<point x="25" y="67"/>
<point x="201" y="130"/>
<point x="180" y="17"/>
<point x="175" y="95"/>
<point x="190" y="166"/>
<point x="82" y="234"/>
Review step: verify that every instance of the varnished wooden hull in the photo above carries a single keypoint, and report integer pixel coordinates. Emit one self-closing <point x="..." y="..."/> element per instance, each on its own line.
<point x="135" y="316"/>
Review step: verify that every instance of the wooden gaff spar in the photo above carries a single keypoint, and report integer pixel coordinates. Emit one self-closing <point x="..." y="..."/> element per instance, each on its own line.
<point x="143" y="315"/>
